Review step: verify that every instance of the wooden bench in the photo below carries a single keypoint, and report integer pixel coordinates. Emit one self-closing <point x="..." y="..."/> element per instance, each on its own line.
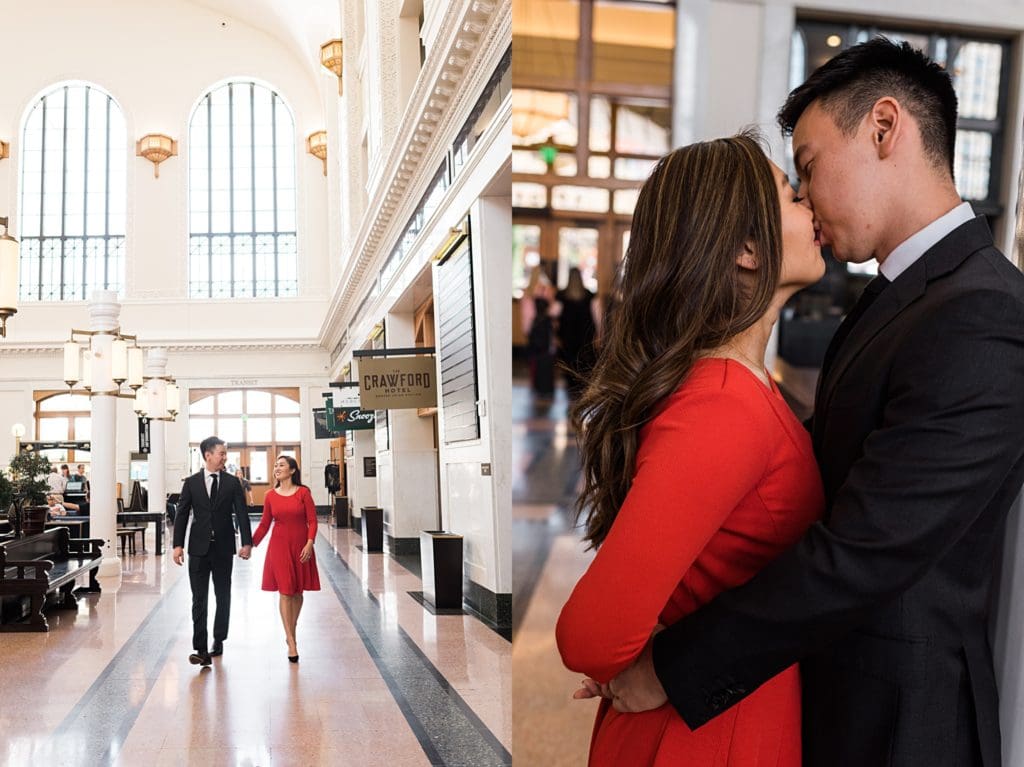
<point x="127" y="535"/>
<point x="47" y="562"/>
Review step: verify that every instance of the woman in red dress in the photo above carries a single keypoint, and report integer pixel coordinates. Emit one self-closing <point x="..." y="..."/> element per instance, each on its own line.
<point x="697" y="474"/>
<point x="290" y="567"/>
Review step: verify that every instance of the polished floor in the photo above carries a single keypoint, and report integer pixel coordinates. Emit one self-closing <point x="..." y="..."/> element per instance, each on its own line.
<point x="550" y="728"/>
<point x="381" y="680"/>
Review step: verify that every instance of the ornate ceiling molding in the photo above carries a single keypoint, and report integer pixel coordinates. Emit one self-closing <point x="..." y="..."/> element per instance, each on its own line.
<point x="53" y="350"/>
<point x="469" y="45"/>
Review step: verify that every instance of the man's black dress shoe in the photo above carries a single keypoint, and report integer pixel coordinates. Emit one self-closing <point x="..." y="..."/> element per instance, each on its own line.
<point x="200" y="659"/>
<point x="218" y="648"/>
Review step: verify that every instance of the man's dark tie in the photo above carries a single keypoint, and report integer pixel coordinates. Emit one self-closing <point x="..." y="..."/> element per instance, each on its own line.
<point x="213" y="488"/>
<point x="871" y="291"/>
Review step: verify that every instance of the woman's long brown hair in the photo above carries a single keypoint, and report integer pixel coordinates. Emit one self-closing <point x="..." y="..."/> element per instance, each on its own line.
<point x="680" y="294"/>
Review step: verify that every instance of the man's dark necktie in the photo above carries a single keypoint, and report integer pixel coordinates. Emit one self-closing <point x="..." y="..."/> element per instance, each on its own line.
<point x="213" y="489"/>
<point x="871" y="291"/>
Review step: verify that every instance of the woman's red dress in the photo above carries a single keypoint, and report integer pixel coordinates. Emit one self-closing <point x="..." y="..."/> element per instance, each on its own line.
<point x="725" y="481"/>
<point x="294" y="518"/>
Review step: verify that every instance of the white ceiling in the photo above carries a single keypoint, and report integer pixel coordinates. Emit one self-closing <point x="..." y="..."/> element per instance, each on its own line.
<point x="300" y="25"/>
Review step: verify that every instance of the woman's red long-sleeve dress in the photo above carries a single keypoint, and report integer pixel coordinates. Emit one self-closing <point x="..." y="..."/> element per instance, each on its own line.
<point x="294" y="518"/>
<point x="725" y="481"/>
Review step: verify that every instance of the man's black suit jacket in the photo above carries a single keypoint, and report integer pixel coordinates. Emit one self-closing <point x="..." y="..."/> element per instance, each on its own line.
<point x="919" y="433"/>
<point x="195" y="499"/>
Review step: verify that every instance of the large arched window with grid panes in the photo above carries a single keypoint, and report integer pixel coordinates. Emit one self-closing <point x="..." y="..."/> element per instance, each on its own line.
<point x="73" y="194"/>
<point x="242" y="194"/>
<point x="63" y="418"/>
<point x="258" y="425"/>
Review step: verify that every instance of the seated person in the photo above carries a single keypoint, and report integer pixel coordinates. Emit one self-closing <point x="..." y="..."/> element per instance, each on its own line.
<point x="59" y="507"/>
<point x="77" y="491"/>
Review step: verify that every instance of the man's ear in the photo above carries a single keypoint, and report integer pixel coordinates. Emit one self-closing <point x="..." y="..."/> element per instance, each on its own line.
<point x="747" y="259"/>
<point x="886" y="123"/>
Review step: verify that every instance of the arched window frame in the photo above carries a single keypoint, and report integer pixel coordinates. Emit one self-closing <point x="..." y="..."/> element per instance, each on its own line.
<point x="72" y="220"/>
<point x="252" y="250"/>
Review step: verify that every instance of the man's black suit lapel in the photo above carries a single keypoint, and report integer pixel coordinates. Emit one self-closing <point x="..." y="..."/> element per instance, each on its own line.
<point x="943" y="257"/>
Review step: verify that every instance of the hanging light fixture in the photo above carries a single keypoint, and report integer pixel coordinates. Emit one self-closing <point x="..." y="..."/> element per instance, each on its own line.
<point x="536" y="114"/>
<point x="331" y="59"/>
<point x="8" y="277"/>
<point x="155" y="397"/>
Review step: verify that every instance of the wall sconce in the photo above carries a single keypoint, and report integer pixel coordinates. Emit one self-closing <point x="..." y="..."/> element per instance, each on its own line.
<point x="5" y="150"/>
<point x="156" y="148"/>
<point x="330" y="58"/>
<point x="316" y="145"/>
<point x="8" y="277"/>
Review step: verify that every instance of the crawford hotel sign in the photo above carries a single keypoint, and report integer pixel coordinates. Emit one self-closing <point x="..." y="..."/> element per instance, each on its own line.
<point x="397" y="382"/>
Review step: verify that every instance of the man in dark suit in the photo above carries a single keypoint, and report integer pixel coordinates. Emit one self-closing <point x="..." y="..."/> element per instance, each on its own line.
<point x="917" y="428"/>
<point x="212" y="495"/>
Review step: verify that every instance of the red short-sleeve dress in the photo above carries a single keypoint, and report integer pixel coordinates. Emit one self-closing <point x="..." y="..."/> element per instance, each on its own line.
<point x="725" y="481"/>
<point x="294" y="520"/>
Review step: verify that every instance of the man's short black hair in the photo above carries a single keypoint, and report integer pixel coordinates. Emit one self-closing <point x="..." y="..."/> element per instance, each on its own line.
<point x="848" y="85"/>
<point x="209" y="444"/>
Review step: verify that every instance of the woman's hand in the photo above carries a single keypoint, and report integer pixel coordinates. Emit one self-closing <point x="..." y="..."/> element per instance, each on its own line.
<point x="592" y="689"/>
<point x="307" y="552"/>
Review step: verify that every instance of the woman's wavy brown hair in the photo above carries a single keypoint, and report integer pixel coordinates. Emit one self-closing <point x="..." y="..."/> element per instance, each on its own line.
<point x="680" y="294"/>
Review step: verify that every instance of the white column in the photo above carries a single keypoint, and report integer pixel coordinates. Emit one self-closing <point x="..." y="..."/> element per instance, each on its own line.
<point x="407" y="473"/>
<point x="104" y="311"/>
<point x="691" y="78"/>
<point x="156" y="365"/>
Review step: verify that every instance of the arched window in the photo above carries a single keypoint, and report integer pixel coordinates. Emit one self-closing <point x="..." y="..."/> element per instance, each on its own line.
<point x="62" y="417"/>
<point x="242" y="194"/>
<point x="258" y="425"/>
<point x="73" y="195"/>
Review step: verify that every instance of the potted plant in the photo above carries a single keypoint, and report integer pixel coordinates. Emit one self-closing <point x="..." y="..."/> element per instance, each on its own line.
<point x="6" y="495"/>
<point x="28" y="487"/>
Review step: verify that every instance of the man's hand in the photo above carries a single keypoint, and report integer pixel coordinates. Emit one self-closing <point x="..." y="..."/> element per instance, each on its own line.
<point x="179" y="555"/>
<point x="245" y="552"/>
<point x="637" y="688"/>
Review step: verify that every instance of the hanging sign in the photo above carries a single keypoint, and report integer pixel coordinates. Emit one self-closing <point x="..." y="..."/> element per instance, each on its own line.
<point x="345" y="419"/>
<point x="144" y="437"/>
<point x="354" y="419"/>
<point x="394" y="383"/>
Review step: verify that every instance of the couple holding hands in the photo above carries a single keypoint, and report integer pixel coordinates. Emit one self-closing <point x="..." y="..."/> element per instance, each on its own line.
<point x="211" y="497"/>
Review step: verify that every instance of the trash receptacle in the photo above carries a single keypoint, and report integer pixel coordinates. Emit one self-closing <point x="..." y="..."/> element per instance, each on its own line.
<point x="441" y="561"/>
<point x="373" y="528"/>
<point x="341" y="511"/>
